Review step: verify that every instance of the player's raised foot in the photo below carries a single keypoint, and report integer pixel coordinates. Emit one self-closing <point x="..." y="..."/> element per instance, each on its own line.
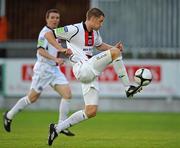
<point x="52" y="134"/>
<point x="131" y="90"/>
<point x="67" y="132"/>
<point x="7" y="122"/>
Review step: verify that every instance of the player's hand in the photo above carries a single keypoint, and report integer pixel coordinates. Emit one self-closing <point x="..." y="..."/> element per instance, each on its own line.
<point x="59" y="61"/>
<point x="119" y="45"/>
<point x="68" y="52"/>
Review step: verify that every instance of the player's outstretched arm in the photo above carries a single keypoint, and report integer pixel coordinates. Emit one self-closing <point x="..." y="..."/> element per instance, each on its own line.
<point x="51" y="39"/>
<point x="104" y="47"/>
<point x="45" y="54"/>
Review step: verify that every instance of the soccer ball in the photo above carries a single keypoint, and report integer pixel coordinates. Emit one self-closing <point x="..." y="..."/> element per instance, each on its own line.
<point x="143" y="76"/>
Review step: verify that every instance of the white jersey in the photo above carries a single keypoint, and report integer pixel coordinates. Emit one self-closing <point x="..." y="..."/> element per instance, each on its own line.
<point x="79" y="40"/>
<point x="45" y="71"/>
<point x="43" y="43"/>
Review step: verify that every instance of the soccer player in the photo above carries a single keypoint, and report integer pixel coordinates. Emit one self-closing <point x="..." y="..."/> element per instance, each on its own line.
<point x="81" y="38"/>
<point x="46" y="72"/>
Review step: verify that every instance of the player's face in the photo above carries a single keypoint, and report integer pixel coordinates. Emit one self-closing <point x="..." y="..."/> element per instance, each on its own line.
<point x="97" y="22"/>
<point x="53" y="20"/>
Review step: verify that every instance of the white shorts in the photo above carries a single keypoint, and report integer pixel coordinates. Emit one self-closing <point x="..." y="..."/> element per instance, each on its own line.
<point x="88" y="71"/>
<point x="44" y="75"/>
<point x="92" y="97"/>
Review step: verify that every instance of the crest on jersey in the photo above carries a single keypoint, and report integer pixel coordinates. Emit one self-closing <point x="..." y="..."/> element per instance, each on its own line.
<point x="89" y="38"/>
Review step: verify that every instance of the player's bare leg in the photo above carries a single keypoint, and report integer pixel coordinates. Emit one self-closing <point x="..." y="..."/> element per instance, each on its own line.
<point x="91" y="99"/>
<point x="20" y="105"/>
<point x="91" y="110"/>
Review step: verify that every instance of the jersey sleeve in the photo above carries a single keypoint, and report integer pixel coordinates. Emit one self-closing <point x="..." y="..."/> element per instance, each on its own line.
<point x="42" y="42"/>
<point x="66" y="32"/>
<point x="98" y="39"/>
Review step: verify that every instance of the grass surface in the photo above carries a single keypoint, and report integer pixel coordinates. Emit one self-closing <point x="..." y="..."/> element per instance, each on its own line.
<point x="107" y="130"/>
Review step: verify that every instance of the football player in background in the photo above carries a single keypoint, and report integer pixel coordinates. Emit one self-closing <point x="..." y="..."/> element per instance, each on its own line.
<point x="81" y="38"/>
<point x="46" y="72"/>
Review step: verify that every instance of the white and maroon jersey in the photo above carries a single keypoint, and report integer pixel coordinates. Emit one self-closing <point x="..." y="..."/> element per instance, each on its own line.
<point x="79" y="40"/>
<point x="43" y="43"/>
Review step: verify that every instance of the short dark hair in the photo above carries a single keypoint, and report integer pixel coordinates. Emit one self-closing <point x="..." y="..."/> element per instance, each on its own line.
<point x="52" y="11"/>
<point x="94" y="12"/>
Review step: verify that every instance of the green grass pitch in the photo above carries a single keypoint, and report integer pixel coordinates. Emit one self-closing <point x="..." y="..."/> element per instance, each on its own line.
<point x="106" y="130"/>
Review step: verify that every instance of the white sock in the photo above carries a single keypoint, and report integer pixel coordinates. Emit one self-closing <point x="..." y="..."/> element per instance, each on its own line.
<point x="72" y="120"/>
<point x="63" y="109"/>
<point x="121" y="71"/>
<point x="21" y="104"/>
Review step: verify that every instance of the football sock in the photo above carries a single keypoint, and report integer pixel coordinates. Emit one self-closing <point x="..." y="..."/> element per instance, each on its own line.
<point x="120" y="69"/>
<point x="21" y="104"/>
<point x="72" y="120"/>
<point x="63" y="109"/>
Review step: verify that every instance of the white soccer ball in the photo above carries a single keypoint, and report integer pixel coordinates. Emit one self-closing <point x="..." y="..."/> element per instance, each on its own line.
<point x="143" y="76"/>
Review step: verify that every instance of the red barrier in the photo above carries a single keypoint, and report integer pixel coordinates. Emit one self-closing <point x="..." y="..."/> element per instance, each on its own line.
<point x="3" y="28"/>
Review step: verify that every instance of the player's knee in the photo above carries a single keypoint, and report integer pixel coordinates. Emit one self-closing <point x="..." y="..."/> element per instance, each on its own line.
<point x="91" y="112"/>
<point x="33" y="99"/>
<point x="115" y="52"/>
<point x="67" y="96"/>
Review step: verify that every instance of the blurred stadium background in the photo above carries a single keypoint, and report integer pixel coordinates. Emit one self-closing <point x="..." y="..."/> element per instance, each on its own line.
<point x="149" y="29"/>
